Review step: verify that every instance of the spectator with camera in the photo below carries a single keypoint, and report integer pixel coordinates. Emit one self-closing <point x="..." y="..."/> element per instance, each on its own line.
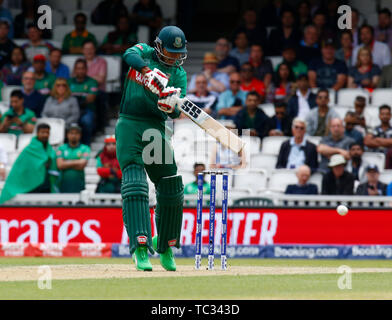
<point x="17" y="119"/>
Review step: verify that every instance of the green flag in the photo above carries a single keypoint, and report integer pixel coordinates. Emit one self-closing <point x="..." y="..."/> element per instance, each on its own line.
<point x="29" y="170"/>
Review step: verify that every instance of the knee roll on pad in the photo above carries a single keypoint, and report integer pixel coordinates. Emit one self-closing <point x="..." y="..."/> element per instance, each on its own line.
<point x="168" y="212"/>
<point x="136" y="211"/>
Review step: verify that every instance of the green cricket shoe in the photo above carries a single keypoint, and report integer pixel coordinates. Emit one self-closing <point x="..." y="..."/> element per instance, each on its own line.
<point x="166" y="258"/>
<point x="141" y="259"/>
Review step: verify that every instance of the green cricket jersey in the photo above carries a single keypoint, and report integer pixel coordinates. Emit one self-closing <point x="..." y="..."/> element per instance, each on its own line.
<point x="74" y="40"/>
<point x="71" y="180"/>
<point x="138" y="102"/>
<point x="82" y="89"/>
<point x="27" y="116"/>
<point x="191" y="188"/>
<point x="45" y="84"/>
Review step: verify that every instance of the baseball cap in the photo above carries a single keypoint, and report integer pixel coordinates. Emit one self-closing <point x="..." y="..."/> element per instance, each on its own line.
<point x="336" y="160"/>
<point x="372" y="167"/>
<point x="74" y="126"/>
<point x="328" y="42"/>
<point x="39" y="57"/>
<point x="110" y="139"/>
<point x="210" y="57"/>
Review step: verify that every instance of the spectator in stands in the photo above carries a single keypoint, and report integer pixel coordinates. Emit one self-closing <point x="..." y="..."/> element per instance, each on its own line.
<point x="355" y="26"/>
<point x="262" y="66"/>
<point x="33" y="100"/>
<point x="61" y="104"/>
<point x="251" y="117"/>
<point x="365" y="74"/>
<point x="383" y="32"/>
<point x="320" y="22"/>
<point x="202" y="97"/>
<point x="346" y="48"/>
<point x="337" y="181"/>
<point x="148" y="13"/>
<point x="119" y="40"/>
<point x="54" y="65"/>
<point x="361" y="114"/>
<point x="350" y="120"/>
<point x="271" y="13"/>
<point x="285" y="35"/>
<point x="356" y="165"/>
<point x="29" y="15"/>
<point x="6" y="15"/>
<point x="381" y="138"/>
<point x="290" y="57"/>
<point x="97" y="69"/>
<point x="281" y="87"/>
<point x="255" y="32"/>
<point x="108" y="11"/>
<point x="318" y="118"/>
<point x="85" y="89"/>
<point x="226" y="63"/>
<point x="73" y="42"/>
<point x="297" y="150"/>
<point x="36" y="45"/>
<point x="373" y="187"/>
<point x="249" y="82"/>
<point x="217" y="81"/>
<point x="3" y="163"/>
<point x="232" y="100"/>
<point x="308" y="47"/>
<point x="6" y="44"/>
<point x="72" y="158"/>
<point x="380" y="51"/>
<point x="303" y="15"/>
<point x="241" y="50"/>
<point x="191" y="187"/>
<point x="327" y="71"/>
<point x="280" y="124"/>
<point x="335" y="143"/>
<point x="303" y="100"/>
<point x="108" y="168"/>
<point x="11" y="73"/>
<point x="38" y="158"/>
<point x="43" y="80"/>
<point x="17" y="119"/>
<point x="302" y="187"/>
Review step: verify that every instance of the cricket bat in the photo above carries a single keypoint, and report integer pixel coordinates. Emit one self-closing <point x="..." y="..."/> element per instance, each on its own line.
<point x="210" y="125"/>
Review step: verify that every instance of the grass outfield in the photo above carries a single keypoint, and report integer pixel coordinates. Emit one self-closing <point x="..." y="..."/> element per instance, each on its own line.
<point x="318" y="282"/>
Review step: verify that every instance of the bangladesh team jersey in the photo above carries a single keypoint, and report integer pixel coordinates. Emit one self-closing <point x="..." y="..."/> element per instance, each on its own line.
<point x="192" y="188"/>
<point x="45" y="84"/>
<point x="137" y="101"/>
<point x="82" y="89"/>
<point x="27" y="116"/>
<point x="71" y="180"/>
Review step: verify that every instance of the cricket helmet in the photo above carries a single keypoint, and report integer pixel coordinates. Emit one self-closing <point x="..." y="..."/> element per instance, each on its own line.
<point x="173" y="40"/>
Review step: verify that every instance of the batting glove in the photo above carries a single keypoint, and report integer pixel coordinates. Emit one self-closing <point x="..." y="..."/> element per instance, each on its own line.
<point x="156" y="81"/>
<point x="168" y="99"/>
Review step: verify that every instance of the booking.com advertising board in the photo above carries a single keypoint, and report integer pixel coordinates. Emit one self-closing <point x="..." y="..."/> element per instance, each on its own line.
<point x="252" y="232"/>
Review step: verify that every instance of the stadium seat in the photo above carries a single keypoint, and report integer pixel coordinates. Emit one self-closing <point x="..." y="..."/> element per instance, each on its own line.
<point x="4" y="106"/>
<point x="314" y="139"/>
<point x="8" y="142"/>
<point x="187" y="176"/>
<point x="346" y="97"/>
<point x="342" y="110"/>
<point x="271" y="145"/>
<point x="113" y="83"/>
<point x="252" y="144"/>
<point x="90" y="170"/>
<point x="91" y="187"/>
<point x="381" y="96"/>
<point x="263" y="161"/>
<point x="275" y="60"/>
<point x="377" y="158"/>
<point x="6" y="92"/>
<point x="24" y="140"/>
<point x="92" y="179"/>
<point x="371" y="116"/>
<point x="250" y="179"/>
<point x="317" y="179"/>
<point x="65" y="6"/>
<point x="169" y="10"/>
<point x="268" y="108"/>
<point x="386" y="176"/>
<point x="280" y="179"/>
<point x="57" y="129"/>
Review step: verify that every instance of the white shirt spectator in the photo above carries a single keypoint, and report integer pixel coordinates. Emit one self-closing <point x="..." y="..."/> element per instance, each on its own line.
<point x="303" y="104"/>
<point x="380" y="51"/>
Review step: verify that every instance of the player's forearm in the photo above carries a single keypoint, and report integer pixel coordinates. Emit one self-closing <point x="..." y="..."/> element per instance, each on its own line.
<point x="327" y="151"/>
<point x="134" y="60"/>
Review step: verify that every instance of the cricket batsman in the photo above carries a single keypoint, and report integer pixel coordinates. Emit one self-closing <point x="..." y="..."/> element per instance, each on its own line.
<point x="154" y="82"/>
